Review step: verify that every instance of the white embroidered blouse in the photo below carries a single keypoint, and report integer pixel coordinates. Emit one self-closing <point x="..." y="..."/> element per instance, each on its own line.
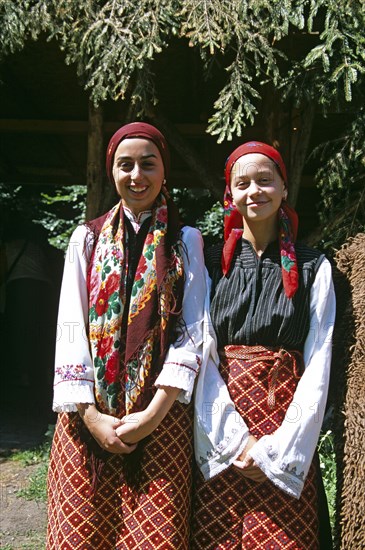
<point x="74" y="373"/>
<point x="285" y="455"/>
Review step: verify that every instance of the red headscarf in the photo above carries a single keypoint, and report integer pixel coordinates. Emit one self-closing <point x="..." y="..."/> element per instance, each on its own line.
<point x="288" y="218"/>
<point x="255" y="147"/>
<point x="137" y="130"/>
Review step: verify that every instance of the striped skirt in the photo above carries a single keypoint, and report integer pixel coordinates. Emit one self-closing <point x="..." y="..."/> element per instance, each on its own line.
<point x="157" y="517"/>
<point x="233" y="512"/>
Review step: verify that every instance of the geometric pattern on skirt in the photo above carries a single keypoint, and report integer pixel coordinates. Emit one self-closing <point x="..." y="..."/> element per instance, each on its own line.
<point x="158" y="517"/>
<point x="234" y="512"/>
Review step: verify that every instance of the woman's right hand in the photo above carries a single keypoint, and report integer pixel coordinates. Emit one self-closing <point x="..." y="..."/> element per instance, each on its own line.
<point x="102" y="427"/>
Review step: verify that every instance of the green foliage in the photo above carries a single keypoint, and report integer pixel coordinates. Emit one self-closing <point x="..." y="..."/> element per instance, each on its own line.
<point x="36" y="488"/>
<point x="58" y="212"/>
<point x="341" y="53"/>
<point x="211" y="223"/>
<point x="115" y="42"/>
<point x="191" y="203"/>
<point x="308" y="50"/>
<point x="111" y="41"/>
<point x="234" y="105"/>
<point x="341" y="180"/>
<point x="35" y="541"/>
<point x="241" y="30"/>
<point x="21" y="20"/>
<point x="17" y="199"/>
<point x="197" y="208"/>
<point x="62" y="212"/>
<point x="327" y="462"/>
<point x="333" y="68"/>
<point x="207" y="24"/>
<point x="38" y="455"/>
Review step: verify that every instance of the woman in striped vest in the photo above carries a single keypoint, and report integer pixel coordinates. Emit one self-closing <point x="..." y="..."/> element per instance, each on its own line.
<point x="273" y="310"/>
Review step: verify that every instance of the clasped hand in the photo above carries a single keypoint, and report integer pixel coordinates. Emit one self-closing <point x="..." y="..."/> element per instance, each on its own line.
<point x="103" y="429"/>
<point x="139" y="425"/>
<point x="122" y="435"/>
<point x="136" y="426"/>
<point x="246" y="464"/>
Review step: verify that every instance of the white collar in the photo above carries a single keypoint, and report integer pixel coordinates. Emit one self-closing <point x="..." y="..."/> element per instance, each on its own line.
<point x="138" y="220"/>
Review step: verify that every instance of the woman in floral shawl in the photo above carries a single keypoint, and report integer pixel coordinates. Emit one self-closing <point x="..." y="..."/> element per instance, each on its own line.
<point x="131" y="321"/>
<point x="273" y="310"/>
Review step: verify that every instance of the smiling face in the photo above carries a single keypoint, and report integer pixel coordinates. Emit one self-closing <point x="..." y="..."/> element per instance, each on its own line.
<point x="138" y="173"/>
<point x="257" y="188"/>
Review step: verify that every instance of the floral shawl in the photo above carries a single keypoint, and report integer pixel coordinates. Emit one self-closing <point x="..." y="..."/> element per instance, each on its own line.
<point x="128" y="346"/>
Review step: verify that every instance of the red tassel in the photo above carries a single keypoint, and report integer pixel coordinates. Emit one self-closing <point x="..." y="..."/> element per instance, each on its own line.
<point x="290" y="280"/>
<point x="229" y="248"/>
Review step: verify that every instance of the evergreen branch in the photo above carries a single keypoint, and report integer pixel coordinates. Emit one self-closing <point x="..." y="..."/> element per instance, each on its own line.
<point x="341" y="178"/>
<point x="206" y="23"/>
<point x="111" y="41"/>
<point x="19" y="21"/>
<point x="234" y="105"/>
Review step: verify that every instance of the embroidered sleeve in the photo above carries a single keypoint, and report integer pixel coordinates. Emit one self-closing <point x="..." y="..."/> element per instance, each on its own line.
<point x="220" y="434"/>
<point x="184" y="357"/>
<point x="74" y="376"/>
<point x="286" y="455"/>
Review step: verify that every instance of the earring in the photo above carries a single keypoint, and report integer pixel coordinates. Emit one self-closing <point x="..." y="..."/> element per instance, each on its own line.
<point x="164" y="181"/>
<point x="164" y="190"/>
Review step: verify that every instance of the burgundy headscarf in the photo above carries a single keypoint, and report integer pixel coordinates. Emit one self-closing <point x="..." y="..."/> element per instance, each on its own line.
<point x="137" y="130"/>
<point x="288" y="218"/>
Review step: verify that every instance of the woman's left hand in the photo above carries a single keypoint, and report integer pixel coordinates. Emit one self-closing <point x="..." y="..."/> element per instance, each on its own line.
<point x="139" y="425"/>
<point x="246" y="464"/>
<point x="135" y="427"/>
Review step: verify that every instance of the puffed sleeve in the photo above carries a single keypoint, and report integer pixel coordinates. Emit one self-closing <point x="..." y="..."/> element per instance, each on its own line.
<point x="184" y="357"/>
<point x="286" y="455"/>
<point x="220" y="434"/>
<point x="74" y="374"/>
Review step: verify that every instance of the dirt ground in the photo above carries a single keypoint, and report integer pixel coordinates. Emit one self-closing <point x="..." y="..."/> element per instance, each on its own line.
<point x="22" y="522"/>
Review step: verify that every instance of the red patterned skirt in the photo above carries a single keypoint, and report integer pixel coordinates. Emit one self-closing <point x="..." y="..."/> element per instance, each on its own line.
<point x="231" y="511"/>
<point x="158" y="517"/>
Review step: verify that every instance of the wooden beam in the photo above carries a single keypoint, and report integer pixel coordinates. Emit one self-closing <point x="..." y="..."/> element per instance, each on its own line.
<point x="94" y="172"/>
<point x="37" y="126"/>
